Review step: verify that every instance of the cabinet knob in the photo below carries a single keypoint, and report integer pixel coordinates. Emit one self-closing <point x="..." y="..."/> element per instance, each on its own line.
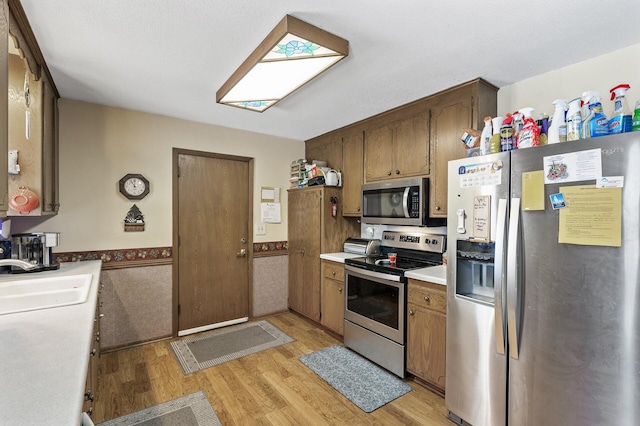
<point x="340" y="289"/>
<point x="426" y="299"/>
<point x="397" y="172"/>
<point x="88" y="396"/>
<point x="411" y="313"/>
<point x="437" y="208"/>
<point x="333" y="273"/>
<point x="90" y="410"/>
<point x="358" y="209"/>
<point x="389" y="173"/>
<point x="93" y="352"/>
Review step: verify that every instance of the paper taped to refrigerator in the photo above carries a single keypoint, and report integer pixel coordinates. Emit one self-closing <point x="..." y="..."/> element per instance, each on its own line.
<point x="592" y="216"/>
<point x="573" y="166"/>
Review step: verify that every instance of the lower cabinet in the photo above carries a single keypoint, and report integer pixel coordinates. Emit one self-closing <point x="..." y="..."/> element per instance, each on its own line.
<point x="332" y="298"/>
<point x="91" y="385"/>
<point x="426" y="332"/>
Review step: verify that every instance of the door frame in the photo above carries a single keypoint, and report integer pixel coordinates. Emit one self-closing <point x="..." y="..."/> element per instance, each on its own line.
<point x="176" y="152"/>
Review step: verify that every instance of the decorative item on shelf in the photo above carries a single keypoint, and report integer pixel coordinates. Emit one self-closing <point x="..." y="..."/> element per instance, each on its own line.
<point x="23" y="200"/>
<point x="134" y="186"/>
<point x="134" y="222"/>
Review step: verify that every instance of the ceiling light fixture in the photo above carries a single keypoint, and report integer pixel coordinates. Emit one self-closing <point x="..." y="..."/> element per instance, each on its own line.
<point x="291" y="55"/>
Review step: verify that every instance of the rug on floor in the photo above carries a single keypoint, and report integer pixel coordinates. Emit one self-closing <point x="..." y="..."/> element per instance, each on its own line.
<point x="359" y="380"/>
<point x="189" y="410"/>
<point x="202" y="351"/>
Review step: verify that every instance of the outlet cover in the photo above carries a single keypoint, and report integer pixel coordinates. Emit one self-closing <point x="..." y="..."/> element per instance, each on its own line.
<point x="261" y="229"/>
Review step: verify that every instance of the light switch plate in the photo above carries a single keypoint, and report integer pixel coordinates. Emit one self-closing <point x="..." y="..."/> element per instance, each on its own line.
<point x="261" y="229"/>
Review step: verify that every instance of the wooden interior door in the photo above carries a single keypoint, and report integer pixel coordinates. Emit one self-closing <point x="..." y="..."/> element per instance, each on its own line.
<point x="213" y="233"/>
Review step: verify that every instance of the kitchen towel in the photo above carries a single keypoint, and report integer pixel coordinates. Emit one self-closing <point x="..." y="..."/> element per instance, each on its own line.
<point x="202" y="351"/>
<point x="360" y="381"/>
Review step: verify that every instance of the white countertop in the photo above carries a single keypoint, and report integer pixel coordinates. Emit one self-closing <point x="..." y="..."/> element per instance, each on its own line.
<point x="433" y="274"/>
<point x="44" y="356"/>
<point x="339" y="257"/>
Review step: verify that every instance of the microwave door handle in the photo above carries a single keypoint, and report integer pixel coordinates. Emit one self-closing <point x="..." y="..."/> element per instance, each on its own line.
<point x="405" y="201"/>
<point x="498" y="275"/>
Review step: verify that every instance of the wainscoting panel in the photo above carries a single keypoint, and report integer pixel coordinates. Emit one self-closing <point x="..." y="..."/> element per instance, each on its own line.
<point x="136" y="303"/>
<point x="270" y="285"/>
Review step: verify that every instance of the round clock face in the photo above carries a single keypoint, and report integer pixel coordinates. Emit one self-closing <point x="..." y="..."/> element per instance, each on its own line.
<point x="134" y="186"/>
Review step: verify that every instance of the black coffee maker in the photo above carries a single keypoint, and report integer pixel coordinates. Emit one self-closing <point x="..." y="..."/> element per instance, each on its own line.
<point x="35" y="248"/>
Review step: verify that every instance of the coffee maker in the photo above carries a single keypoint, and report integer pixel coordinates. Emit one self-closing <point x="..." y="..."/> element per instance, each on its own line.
<point x="35" y="248"/>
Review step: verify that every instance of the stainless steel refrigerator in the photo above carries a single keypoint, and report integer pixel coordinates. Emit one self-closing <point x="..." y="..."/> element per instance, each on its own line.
<point x="543" y="285"/>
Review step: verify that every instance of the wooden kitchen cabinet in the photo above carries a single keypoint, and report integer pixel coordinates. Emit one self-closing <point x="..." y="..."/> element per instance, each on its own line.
<point x="453" y="110"/>
<point x="325" y="148"/>
<point x="36" y="138"/>
<point x="398" y="149"/>
<point x="312" y="231"/>
<point x="332" y="299"/>
<point x="91" y="384"/>
<point x="426" y="332"/>
<point x="352" y="173"/>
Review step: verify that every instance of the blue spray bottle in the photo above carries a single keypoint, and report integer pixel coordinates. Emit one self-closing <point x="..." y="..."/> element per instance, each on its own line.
<point x="620" y="122"/>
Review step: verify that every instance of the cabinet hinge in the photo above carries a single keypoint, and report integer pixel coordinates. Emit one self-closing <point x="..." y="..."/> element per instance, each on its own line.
<point x="178" y="171"/>
<point x="178" y="309"/>
<point x="178" y="240"/>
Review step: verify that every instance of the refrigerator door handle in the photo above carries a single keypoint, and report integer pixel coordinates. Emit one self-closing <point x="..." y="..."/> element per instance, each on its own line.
<point x="513" y="311"/>
<point x="498" y="274"/>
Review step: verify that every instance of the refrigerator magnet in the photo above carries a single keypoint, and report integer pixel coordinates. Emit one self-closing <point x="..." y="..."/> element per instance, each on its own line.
<point x="557" y="201"/>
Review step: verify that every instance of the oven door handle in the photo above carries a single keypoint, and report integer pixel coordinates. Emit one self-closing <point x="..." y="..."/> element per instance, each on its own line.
<point x="365" y="273"/>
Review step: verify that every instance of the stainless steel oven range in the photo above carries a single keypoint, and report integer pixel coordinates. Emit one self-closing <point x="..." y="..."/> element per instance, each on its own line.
<point x="376" y="296"/>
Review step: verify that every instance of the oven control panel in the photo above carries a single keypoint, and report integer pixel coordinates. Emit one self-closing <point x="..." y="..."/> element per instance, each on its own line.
<point x="414" y="241"/>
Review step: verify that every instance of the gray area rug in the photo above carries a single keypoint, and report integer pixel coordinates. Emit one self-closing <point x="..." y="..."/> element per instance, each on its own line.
<point x="189" y="410"/>
<point x="360" y="381"/>
<point x="202" y="351"/>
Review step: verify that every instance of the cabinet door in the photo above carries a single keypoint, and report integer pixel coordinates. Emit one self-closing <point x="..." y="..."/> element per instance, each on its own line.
<point x="295" y="247"/>
<point x="411" y="146"/>
<point x="333" y="305"/>
<point x="378" y="153"/>
<point x="325" y="148"/>
<point x="352" y="172"/>
<point x="452" y="113"/>
<point x="304" y="251"/>
<point x="50" y="183"/>
<point x="426" y="341"/>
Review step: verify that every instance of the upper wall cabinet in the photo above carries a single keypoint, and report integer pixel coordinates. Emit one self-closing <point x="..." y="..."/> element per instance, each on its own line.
<point x="32" y="122"/>
<point x="397" y="149"/>
<point x="462" y="107"/>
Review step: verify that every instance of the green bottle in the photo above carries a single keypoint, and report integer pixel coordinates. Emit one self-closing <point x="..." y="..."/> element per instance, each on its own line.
<point x="635" y="126"/>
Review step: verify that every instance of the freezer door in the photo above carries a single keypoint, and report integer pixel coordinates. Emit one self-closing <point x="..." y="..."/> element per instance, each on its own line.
<point x="476" y="360"/>
<point x="577" y="347"/>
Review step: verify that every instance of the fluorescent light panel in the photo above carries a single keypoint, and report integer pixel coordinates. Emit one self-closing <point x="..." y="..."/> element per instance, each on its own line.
<point x="292" y="54"/>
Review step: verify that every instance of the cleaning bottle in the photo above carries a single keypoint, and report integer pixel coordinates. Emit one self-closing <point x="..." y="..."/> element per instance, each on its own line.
<point x="558" y="128"/>
<point x="574" y="120"/>
<point x="485" y="137"/>
<point x="620" y="122"/>
<point x="518" y="122"/>
<point x="494" y="145"/>
<point x="596" y="123"/>
<point x="507" y="142"/>
<point x="544" y="129"/>
<point x="529" y="134"/>
<point x="635" y="125"/>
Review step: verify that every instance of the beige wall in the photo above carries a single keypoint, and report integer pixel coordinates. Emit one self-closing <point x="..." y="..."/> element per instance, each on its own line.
<point x="601" y="73"/>
<point x="99" y="145"/>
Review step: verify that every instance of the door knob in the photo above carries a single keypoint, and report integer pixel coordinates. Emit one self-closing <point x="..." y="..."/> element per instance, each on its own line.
<point x="242" y="252"/>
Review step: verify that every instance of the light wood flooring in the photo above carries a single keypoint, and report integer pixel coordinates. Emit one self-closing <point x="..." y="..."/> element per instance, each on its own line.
<point x="268" y="388"/>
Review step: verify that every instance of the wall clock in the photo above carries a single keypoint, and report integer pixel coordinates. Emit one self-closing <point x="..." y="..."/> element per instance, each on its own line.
<point x="134" y="186"/>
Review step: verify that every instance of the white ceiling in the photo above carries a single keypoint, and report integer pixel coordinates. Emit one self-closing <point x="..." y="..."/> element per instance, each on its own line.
<point x="169" y="57"/>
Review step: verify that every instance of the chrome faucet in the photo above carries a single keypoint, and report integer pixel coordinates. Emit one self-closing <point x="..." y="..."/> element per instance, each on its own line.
<point x="27" y="266"/>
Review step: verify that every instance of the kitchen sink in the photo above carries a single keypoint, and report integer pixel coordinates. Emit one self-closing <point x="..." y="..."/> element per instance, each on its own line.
<point x="43" y="293"/>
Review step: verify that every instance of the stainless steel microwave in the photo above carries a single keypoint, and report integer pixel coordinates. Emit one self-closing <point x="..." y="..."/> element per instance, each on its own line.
<point x="398" y="202"/>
